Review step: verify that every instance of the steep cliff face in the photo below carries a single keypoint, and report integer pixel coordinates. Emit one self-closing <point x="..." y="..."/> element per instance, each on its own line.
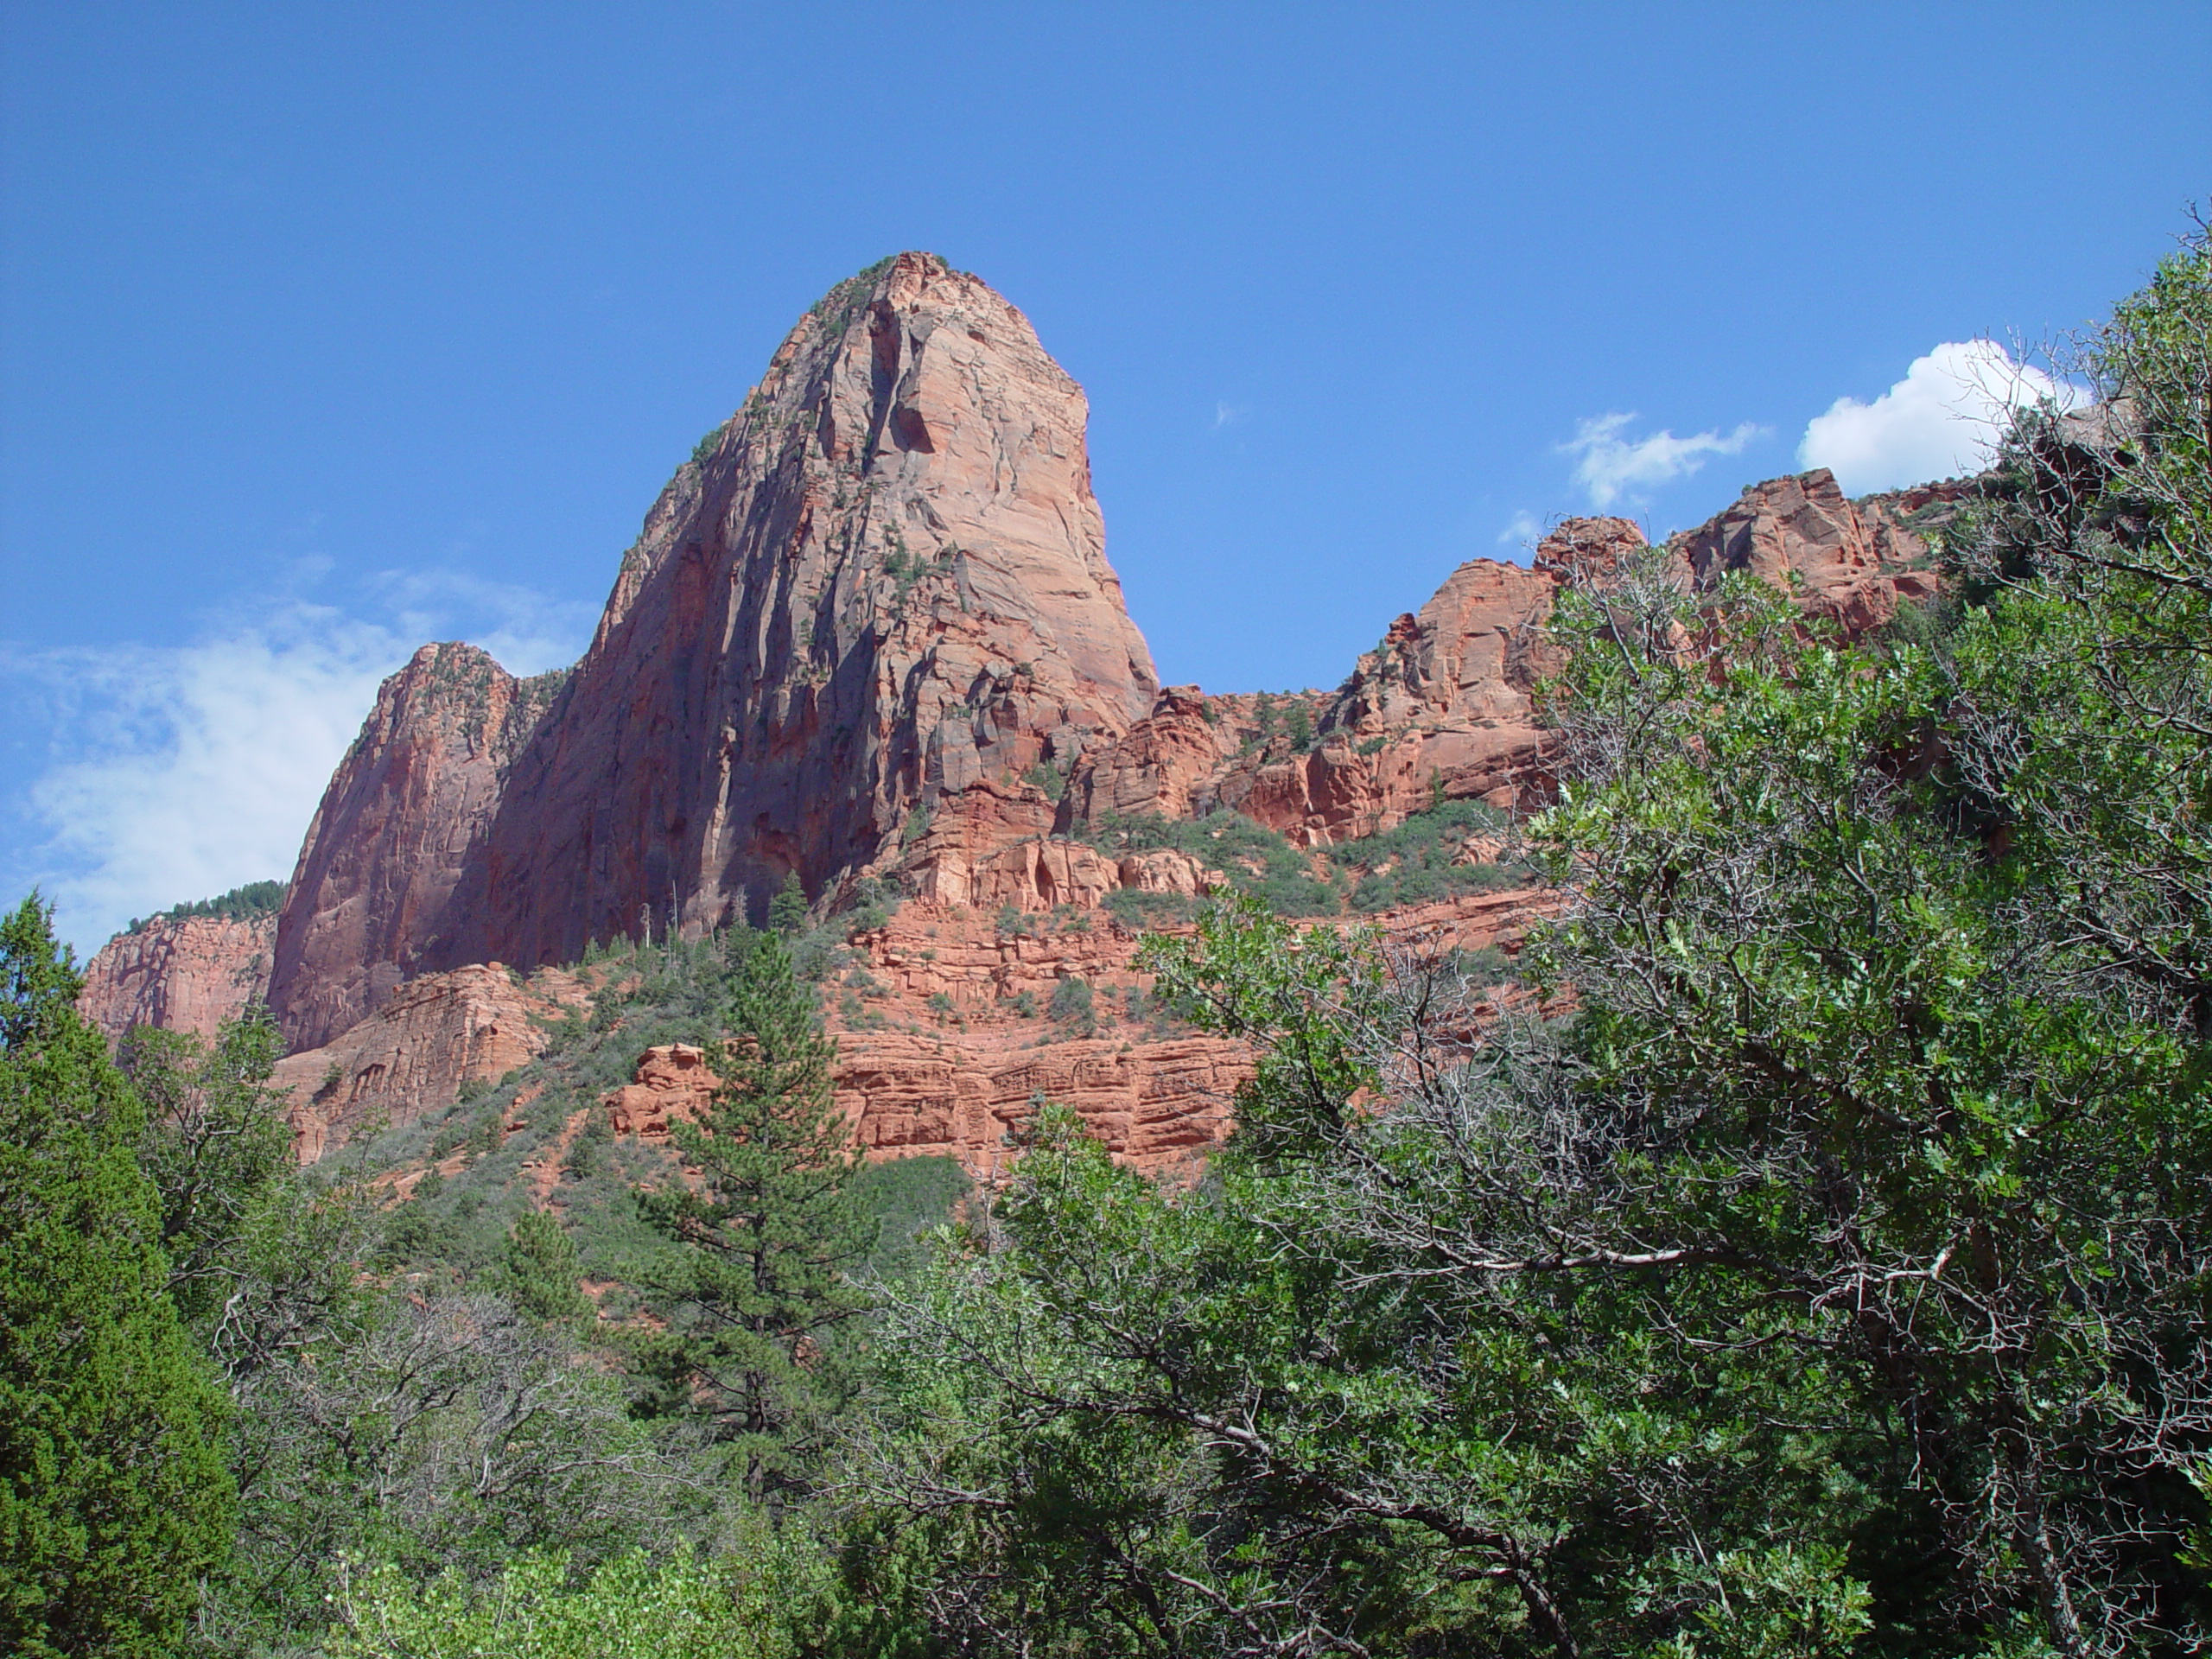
<point x="183" y="974"/>
<point x="884" y="585"/>
<point x="881" y="585"/>
<point x="382" y="890"/>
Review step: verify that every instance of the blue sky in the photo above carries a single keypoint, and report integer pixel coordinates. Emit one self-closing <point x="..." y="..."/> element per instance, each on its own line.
<point x="326" y="329"/>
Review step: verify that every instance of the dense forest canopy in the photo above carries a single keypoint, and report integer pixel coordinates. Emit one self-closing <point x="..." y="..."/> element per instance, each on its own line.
<point x="1817" y="1261"/>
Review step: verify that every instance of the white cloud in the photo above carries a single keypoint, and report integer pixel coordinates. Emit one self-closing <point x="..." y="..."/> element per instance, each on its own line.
<point x="1611" y="467"/>
<point x="181" y="772"/>
<point x="1941" y="420"/>
<point x="1522" y="527"/>
<point x="1227" y="414"/>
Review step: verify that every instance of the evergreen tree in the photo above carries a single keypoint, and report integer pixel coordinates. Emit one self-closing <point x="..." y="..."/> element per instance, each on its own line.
<point x="540" y="1271"/>
<point x="114" y="1496"/>
<point x="215" y="1144"/>
<point x="787" y="910"/>
<point x="770" y="1227"/>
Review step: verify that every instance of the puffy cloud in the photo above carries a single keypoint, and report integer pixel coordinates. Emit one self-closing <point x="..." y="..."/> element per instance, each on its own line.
<point x="1941" y="420"/>
<point x="1521" y="528"/>
<point x="181" y="772"/>
<point x="1611" y="467"/>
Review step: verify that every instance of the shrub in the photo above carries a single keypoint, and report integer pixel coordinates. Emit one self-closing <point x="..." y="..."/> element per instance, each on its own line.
<point x="1139" y="911"/>
<point x="1073" y="1006"/>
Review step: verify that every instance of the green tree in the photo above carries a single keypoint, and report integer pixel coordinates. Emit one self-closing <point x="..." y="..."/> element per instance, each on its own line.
<point x="540" y="1272"/>
<point x="771" y="1229"/>
<point x="215" y="1145"/>
<point x="787" y="910"/>
<point x="114" y="1496"/>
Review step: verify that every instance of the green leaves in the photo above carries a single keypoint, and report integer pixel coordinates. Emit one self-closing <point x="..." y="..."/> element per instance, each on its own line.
<point x="769" y="1226"/>
<point x="114" y="1496"/>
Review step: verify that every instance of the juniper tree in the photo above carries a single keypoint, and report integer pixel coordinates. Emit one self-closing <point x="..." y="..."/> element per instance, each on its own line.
<point x="114" y="1496"/>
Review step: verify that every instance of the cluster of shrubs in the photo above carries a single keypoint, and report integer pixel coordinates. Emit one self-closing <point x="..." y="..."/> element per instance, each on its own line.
<point x="1414" y="863"/>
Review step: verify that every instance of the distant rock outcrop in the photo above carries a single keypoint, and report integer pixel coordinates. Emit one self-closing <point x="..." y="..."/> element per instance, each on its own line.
<point x="181" y="973"/>
<point x="1854" y="561"/>
<point x="470" y="1024"/>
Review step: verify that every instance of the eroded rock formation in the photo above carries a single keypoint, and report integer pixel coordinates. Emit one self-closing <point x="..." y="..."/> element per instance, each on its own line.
<point x="881" y="584"/>
<point x="869" y="635"/>
<point x="474" y="1024"/>
<point x="183" y="973"/>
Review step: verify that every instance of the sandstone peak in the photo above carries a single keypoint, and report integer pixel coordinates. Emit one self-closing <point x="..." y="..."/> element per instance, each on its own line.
<point x="880" y="587"/>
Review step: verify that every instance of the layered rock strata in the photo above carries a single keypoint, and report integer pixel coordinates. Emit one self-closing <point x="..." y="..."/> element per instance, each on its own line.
<point x="469" y="1025"/>
<point x="183" y="974"/>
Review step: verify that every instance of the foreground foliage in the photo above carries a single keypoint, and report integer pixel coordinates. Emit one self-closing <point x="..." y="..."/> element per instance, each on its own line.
<point x="114" y="1495"/>
<point x="1828" y="1272"/>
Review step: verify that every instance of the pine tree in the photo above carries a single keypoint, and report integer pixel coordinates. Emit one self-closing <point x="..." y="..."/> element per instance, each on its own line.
<point x="114" y="1493"/>
<point x="787" y="910"/>
<point x="540" y="1273"/>
<point x="770" y="1227"/>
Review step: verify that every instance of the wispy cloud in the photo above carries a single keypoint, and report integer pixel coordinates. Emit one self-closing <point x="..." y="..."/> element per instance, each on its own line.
<point x="180" y="772"/>
<point x="1943" y="418"/>
<point x="1610" y="466"/>
<point x="1521" y="528"/>
<point x="1227" y="414"/>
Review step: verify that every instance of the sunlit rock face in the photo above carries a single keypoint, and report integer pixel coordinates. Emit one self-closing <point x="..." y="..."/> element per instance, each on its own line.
<point x="881" y="584"/>
<point x="188" y="973"/>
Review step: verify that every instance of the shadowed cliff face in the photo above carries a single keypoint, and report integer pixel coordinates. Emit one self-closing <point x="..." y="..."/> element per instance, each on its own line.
<point x="389" y="866"/>
<point x="882" y="583"/>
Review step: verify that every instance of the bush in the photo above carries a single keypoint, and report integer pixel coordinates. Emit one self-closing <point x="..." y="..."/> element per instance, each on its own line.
<point x="1138" y="910"/>
<point x="631" y="1608"/>
<point x="1254" y="858"/>
<point x="1073" y="1006"/>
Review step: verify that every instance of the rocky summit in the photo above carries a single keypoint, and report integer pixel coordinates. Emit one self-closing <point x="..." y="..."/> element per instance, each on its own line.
<point x="869" y="641"/>
<point x="879" y="583"/>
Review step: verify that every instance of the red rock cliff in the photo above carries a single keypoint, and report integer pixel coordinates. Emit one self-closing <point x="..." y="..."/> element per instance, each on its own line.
<point x="185" y="973"/>
<point x="881" y="585"/>
<point x="383" y="885"/>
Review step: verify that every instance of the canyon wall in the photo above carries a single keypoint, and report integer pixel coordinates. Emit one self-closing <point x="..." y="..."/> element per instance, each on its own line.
<point x="881" y="583"/>
<point x="181" y="973"/>
<point x="869" y="630"/>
